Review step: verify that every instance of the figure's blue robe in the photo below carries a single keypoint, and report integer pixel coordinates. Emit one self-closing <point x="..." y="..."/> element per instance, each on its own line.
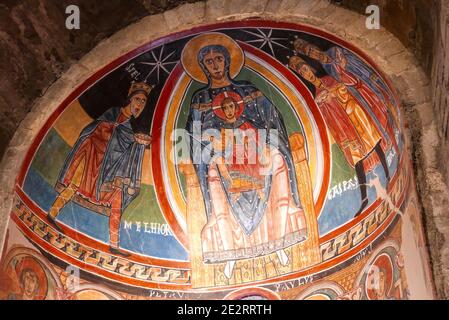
<point x="261" y="114"/>
<point x="122" y="159"/>
<point x="358" y="67"/>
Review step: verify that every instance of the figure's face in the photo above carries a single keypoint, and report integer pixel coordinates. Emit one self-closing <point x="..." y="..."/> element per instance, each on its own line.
<point x="307" y="73"/>
<point x="29" y="283"/>
<point x="138" y="102"/>
<point x="229" y="110"/>
<point x="215" y="64"/>
<point x="300" y="45"/>
<point x="317" y="54"/>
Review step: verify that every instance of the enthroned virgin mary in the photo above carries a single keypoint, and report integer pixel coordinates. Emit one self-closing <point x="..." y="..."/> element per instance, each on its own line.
<point x="252" y="204"/>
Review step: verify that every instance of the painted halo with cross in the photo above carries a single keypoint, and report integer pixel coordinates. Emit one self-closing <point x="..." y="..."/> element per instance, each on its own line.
<point x="218" y="101"/>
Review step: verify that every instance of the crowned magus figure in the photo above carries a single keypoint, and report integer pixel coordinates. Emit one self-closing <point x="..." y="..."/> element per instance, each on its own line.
<point x="350" y="125"/>
<point x="103" y="170"/>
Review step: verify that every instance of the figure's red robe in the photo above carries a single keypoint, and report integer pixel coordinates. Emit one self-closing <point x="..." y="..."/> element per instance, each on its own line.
<point x="91" y="154"/>
<point x="343" y="130"/>
<point x="245" y="163"/>
<point x="377" y="106"/>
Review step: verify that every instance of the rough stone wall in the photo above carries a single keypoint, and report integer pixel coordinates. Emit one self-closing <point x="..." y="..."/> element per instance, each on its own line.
<point x="423" y="27"/>
<point x="440" y="82"/>
<point x="438" y="174"/>
<point x="406" y="55"/>
<point x="36" y="48"/>
<point x="411" y="21"/>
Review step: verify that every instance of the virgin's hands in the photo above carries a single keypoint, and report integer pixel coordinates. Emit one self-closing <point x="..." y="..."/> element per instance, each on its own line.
<point x="235" y="196"/>
<point x="224" y="171"/>
<point x="265" y="159"/>
<point x="261" y="194"/>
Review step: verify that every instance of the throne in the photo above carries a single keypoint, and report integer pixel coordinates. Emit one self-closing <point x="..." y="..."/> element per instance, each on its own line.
<point x="301" y="255"/>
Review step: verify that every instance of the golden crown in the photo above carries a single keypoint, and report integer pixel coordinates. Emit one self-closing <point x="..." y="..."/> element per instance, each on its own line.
<point x="140" y="86"/>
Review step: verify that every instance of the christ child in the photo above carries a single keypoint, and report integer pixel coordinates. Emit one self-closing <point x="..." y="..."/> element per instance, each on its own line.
<point x="241" y="165"/>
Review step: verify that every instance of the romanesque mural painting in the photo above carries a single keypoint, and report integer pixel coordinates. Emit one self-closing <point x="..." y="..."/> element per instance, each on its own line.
<point x="246" y="160"/>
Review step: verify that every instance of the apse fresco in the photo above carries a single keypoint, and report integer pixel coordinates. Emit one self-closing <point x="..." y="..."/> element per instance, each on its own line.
<point x="244" y="160"/>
